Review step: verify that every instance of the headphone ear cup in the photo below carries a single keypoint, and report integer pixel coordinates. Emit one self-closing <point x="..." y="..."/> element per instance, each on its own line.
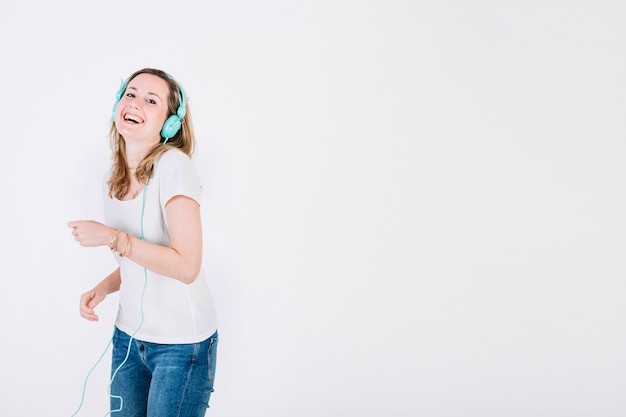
<point x="170" y="127"/>
<point x="118" y="97"/>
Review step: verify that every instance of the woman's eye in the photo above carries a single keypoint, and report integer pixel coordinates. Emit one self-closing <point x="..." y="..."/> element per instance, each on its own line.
<point x="130" y="95"/>
<point x="150" y="101"/>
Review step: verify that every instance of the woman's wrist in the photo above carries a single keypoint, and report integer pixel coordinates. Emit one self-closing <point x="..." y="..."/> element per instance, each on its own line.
<point x="126" y="248"/>
<point x="113" y="243"/>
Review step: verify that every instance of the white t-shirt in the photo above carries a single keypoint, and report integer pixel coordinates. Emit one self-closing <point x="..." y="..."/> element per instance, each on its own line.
<point x="173" y="312"/>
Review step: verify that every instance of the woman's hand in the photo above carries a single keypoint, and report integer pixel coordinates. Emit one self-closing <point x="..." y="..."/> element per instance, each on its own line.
<point x="93" y="297"/>
<point x="91" y="233"/>
<point x="89" y="301"/>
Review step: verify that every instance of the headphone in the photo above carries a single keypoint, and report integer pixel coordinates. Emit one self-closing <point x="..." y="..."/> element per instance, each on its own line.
<point x="172" y="124"/>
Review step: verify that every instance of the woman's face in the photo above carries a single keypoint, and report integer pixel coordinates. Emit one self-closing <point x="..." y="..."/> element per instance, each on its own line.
<point x="142" y="110"/>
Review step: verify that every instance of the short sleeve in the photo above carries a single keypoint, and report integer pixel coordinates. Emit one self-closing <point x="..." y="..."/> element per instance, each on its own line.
<point x="177" y="175"/>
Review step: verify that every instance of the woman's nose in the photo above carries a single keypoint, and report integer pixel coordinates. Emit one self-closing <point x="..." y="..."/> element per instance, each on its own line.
<point x="134" y="102"/>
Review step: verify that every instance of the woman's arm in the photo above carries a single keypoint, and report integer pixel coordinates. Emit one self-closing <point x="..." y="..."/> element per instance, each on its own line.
<point x="181" y="260"/>
<point x="93" y="297"/>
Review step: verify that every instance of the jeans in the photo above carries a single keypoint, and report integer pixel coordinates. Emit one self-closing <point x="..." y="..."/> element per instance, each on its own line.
<point x="160" y="380"/>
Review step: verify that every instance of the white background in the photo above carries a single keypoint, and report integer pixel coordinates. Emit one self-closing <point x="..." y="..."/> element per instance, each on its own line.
<point x="411" y="208"/>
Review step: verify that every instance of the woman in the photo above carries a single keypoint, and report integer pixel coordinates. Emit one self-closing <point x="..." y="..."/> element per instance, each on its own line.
<point x="165" y="336"/>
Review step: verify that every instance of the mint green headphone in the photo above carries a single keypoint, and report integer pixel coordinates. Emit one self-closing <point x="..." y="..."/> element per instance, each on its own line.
<point x="172" y="124"/>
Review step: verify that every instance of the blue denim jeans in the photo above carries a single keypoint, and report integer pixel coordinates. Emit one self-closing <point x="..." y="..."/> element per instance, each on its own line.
<point x="160" y="380"/>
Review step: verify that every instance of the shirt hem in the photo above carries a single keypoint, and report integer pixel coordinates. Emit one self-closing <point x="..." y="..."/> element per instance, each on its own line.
<point x="168" y="340"/>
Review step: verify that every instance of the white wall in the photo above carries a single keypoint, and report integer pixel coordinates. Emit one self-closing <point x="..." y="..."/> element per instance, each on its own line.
<point x="413" y="208"/>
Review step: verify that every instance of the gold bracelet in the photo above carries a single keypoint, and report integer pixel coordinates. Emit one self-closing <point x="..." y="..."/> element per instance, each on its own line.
<point x="127" y="248"/>
<point x="113" y="242"/>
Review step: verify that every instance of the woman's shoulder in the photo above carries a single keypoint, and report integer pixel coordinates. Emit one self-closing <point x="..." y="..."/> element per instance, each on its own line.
<point x="174" y="154"/>
<point x="172" y="158"/>
<point x="177" y="174"/>
<point x="174" y="163"/>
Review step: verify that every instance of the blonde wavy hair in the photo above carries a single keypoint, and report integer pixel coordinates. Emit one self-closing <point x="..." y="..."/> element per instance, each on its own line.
<point x="184" y="140"/>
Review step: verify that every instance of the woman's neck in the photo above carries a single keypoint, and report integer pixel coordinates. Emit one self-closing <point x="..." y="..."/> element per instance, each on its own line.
<point x="135" y="153"/>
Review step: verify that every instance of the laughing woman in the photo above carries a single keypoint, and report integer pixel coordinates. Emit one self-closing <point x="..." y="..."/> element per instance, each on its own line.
<point x="165" y="335"/>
